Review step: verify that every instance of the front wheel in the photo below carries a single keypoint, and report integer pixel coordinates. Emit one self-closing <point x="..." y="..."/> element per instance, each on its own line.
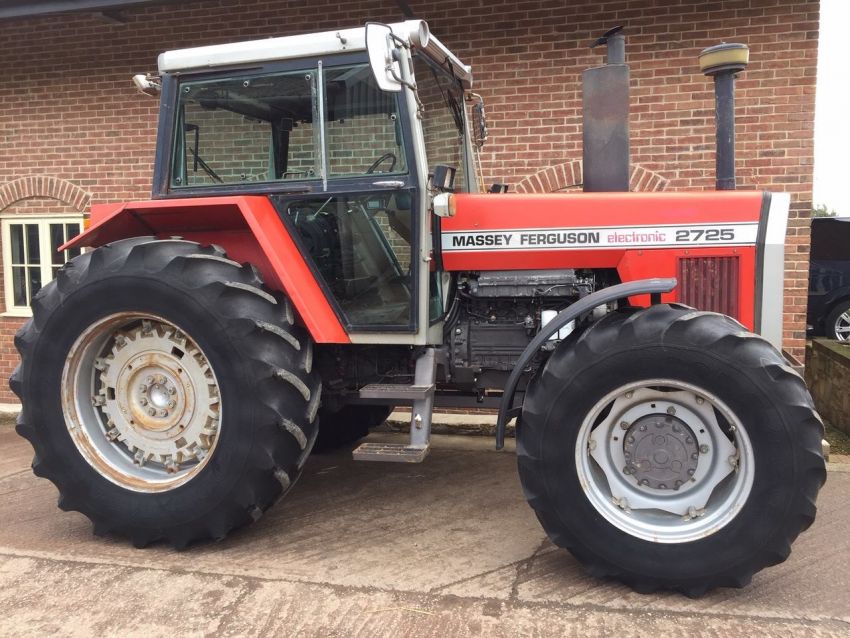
<point x="669" y="448"/>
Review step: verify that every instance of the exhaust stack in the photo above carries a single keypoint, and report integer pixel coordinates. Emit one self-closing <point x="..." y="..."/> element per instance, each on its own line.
<point x="722" y="62"/>
<point x="605" y="118"/>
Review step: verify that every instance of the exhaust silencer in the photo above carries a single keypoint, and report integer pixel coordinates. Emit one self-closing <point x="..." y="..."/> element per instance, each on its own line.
<point x="605" y="118"/>
<point x="722" y="62"/>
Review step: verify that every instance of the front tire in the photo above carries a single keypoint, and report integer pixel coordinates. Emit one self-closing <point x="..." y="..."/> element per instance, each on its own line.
<point x="669" y="448"/>
<point x="167" y="394"/>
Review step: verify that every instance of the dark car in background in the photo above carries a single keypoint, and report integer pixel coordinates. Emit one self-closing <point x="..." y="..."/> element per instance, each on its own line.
<point x="829" y="278"/>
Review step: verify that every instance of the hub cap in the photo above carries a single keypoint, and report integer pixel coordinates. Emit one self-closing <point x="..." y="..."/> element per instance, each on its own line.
<point x="664" y="461"/>
<point x="141" y="402"/>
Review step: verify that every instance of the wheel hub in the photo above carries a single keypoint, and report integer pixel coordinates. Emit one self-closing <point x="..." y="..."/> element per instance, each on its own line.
<point x="153" y="416"/>
<point x="661" y="451"/>
<point x="158" y="399"/>
<point x="664" y="460"/>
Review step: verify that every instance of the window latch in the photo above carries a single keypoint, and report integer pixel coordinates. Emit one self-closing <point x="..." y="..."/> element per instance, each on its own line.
<point x="389" y="183"/>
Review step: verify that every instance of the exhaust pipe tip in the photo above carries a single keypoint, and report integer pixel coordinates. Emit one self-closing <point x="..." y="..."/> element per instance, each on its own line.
<point x="731" y="57"/>
<point x="722" y="62"/>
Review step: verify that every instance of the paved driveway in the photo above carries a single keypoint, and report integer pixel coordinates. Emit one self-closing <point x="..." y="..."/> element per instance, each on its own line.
<point x="447" y="548"/>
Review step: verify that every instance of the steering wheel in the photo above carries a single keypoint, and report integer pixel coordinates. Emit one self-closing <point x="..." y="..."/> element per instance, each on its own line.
<point x="383" y="158"/>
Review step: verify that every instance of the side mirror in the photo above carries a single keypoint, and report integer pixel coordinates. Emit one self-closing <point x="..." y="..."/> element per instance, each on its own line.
<point x="147" y="84"/>
<point x="480" y="124"/>
<point x="479" y="119"/>
<point x="381" y="50"/>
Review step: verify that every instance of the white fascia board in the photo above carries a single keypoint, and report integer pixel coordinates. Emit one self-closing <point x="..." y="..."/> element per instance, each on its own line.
<point x="302" y="46"/>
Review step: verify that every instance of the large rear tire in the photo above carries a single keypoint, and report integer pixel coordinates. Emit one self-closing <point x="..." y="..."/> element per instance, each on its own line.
<point x="669" y="448"/>
<point x="167" y="394"/>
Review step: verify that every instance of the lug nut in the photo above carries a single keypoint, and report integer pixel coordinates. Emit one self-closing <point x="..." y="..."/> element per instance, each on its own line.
<point x="143" y="388"/>
<point x="151" y="411"/>
<point x="172" y="390"/>
<point x="143" y="401"/>
<point x="671" y="410"/>
<point x="642" y="428"/>
<point x="629" y="395"/>
<point x="624" y="425"/>
<point x="703" y="448"/>
<point x="700" y="400"/>
<point x="149" y="380"/>
<point x="163" y="413"/>
<point x="172" y="404"/>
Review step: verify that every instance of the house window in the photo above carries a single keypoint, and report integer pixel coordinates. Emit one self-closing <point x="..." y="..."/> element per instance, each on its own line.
<point x="30" y="255"/>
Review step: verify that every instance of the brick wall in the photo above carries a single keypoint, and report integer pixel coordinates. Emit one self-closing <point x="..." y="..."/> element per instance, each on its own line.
<point x="69" y="111"/>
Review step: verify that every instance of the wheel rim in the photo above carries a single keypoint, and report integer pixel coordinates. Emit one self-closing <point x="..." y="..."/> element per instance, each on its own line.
<point x="842" y="326"/>
<point x="141" y="402"/>
<point x="664" y="461"/>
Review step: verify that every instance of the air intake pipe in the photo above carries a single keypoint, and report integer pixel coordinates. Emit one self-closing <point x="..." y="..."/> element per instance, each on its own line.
<point x="723" y="62"/>
<point x="605" y="118"/>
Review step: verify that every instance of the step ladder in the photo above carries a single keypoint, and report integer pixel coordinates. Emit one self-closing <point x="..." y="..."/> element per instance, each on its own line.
<point x="421" y="396"/>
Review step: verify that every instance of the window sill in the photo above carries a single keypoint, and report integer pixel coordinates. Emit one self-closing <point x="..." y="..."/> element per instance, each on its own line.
<point x="22" y="313"/>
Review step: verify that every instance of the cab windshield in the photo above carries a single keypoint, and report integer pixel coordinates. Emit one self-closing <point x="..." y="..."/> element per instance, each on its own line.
<point x="265" y="128"/>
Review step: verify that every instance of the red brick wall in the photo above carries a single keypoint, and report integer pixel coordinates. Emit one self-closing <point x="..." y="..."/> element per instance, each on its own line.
<point x="68" y="109"/>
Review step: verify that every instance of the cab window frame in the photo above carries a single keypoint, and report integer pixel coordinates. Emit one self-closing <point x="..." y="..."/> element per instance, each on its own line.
<point x="169" y="121"/>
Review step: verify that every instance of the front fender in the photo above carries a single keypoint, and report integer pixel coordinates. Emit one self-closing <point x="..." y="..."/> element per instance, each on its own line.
<point x="652" y="287"/>
<point x="247" y="227"/>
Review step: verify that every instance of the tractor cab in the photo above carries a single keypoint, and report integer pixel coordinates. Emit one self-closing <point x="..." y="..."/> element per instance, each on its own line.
<point x="345" y="141"/>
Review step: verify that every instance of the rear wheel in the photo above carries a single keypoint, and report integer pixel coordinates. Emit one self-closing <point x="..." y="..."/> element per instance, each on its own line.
<point x="166" y="393"/>
<point x="670" y="448"/>
<point x="349" y="424"/>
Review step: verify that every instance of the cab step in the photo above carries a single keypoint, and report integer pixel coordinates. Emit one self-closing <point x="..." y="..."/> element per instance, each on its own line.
<point x="392" y="452"/>
<point x="397" y="392"/>
<point x="421" y="396"/>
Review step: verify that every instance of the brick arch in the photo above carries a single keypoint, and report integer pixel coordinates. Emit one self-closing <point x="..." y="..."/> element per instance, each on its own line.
<point x="44" y="186"/>
<point x="569" y="175"/>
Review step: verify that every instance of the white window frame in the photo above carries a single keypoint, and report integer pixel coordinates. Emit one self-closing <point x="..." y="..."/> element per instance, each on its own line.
<point x="46" y="265"/>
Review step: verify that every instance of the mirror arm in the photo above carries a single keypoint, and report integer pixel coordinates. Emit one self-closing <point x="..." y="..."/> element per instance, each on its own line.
<point x="420" y="108"/>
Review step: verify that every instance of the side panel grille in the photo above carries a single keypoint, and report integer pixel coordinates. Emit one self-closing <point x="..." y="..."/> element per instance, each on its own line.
<point x="710" y="283"/>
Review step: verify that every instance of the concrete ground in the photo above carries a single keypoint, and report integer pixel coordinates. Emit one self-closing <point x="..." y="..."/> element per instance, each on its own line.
<point x="446" y="548"/>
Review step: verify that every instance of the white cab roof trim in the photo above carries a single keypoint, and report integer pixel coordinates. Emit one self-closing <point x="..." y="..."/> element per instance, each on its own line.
<point x="302" y="46"/>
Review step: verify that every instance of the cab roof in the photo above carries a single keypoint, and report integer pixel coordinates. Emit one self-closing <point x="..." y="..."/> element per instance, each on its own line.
<point x="413" y="32"/>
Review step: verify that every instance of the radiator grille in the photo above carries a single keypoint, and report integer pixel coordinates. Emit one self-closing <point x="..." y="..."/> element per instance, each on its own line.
<point x="710" y="283"/>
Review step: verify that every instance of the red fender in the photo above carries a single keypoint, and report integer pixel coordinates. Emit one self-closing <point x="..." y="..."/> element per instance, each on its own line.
<point x="248" y="228"/>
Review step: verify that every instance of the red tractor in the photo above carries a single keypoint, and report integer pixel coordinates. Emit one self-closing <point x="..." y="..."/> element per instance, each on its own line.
<point x="317" y="250"/>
